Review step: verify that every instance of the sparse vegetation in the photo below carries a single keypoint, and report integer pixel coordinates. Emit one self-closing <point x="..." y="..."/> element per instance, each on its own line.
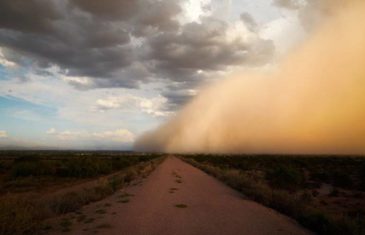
<point x="125" y="194"/>
<point x="125" y="200"/>
<point x="324" y="193"/>
<point x="103" y="226"/>
<point x="100" y="211"/>
<point x="34" y="186"/>
<point x="66" y="225"/>
<point x="181" y="206"/>
<point x="89" y="220"/>
<point x="81" y="218"/>
<point x="173" y="190"/>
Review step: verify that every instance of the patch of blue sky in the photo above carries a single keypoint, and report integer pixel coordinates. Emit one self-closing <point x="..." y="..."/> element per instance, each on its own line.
<point x="7" y="73"/>
<point x="21" y="118"/>
<point x="4" y="73"/>
<point x="24" y="119"/>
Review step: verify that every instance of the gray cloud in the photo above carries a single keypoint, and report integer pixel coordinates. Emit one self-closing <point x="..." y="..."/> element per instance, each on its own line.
<point x="124" y="43"/>
<point x="249" y="21"/>
<point x="109" y="9"/>
<point x="85" y="38"/>
<point x="143" y="17"/>
<point x="156" y="16"/>
<point x="177" y="97"/>
<point x="204" y="46"/>
<point x="30" y="15"/>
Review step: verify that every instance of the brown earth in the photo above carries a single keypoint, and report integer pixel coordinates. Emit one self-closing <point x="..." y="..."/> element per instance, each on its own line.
<point x="176" y="198"/>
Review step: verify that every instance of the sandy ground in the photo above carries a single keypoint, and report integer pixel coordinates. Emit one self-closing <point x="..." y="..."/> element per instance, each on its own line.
<point x="177" y="198"/>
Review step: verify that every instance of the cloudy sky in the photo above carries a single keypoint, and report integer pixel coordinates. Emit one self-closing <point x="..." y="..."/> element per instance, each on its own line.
<point x="82" y="74"/>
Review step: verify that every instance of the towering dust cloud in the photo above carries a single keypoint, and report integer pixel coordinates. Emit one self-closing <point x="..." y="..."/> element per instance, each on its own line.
<point x="313" y="103"/>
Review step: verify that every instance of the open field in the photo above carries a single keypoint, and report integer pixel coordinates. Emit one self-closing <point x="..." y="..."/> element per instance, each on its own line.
<point x="324" y="193"/>
<point x="37" y="185"/>
<point x="73" y="192"/>
<point x="23" y="171"/>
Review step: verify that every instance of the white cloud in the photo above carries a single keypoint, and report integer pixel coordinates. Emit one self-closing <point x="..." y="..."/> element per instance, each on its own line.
<point x="51" y="131"/>
<point x="193" y="10"/>
<point x="67" y="134"/>
<point x="4" y="62"/>
<point x="109" y="103"/>
<point x="81" y="81"/>
<point x="3" y="134"/>
<point x="119" y="135"/>
<point x="154" y="106"/>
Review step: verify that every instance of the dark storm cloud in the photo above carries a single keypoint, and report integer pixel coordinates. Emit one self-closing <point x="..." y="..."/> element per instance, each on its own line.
<point x="156" y="17"/>
<point x="124" y="43"/>
<point x="109" y="9"/>
<point x="143" y="16"/>
<point x="29" y="15"/>
<point x="180" y="93"/>
<point x="84" y="38"/>
<point x="204" y="46"/>
<point x="177" y="98"/>
<point x="79" y="59"/>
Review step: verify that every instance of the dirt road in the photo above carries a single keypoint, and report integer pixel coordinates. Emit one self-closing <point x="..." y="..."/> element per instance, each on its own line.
<point x="178" y="198"/>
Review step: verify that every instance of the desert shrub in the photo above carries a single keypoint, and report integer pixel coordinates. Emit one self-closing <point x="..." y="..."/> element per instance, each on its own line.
<point x="2" y="166"/>
<point x="334" y="193"/>
<point x="19" y="215"/>
<point x="115" y="182"/>
<point x="119" y="163"/>
<point x="25" y="213"/>
<point x="285" y="177"/>
<point x="285" y="173"/>
<point x="83" y="167"/>
<point x="90" y="166"/>
<point x="362" y="177"/>
<point x="286" y="203"/>
<point x="25" y="168"/>
<point x="31" y="167"/>
<point x="318" y="222"/>
<point x="323" y="223"/>
<point x="130" y="175"/>
<point x="341" y="179"/>
<point x="320" y="175"/>
<point x="66" y="203"/>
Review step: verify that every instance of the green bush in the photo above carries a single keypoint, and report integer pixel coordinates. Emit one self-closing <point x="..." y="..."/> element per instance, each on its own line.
<point x="362" y="177"/>
<point x="318" y="222"/>
<point x="84" y="167"/>
<point x="341" y="179"/>
<point x="285" y="177"/>
<point x="66" y="203"/>
<point x="31" y="167"/>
